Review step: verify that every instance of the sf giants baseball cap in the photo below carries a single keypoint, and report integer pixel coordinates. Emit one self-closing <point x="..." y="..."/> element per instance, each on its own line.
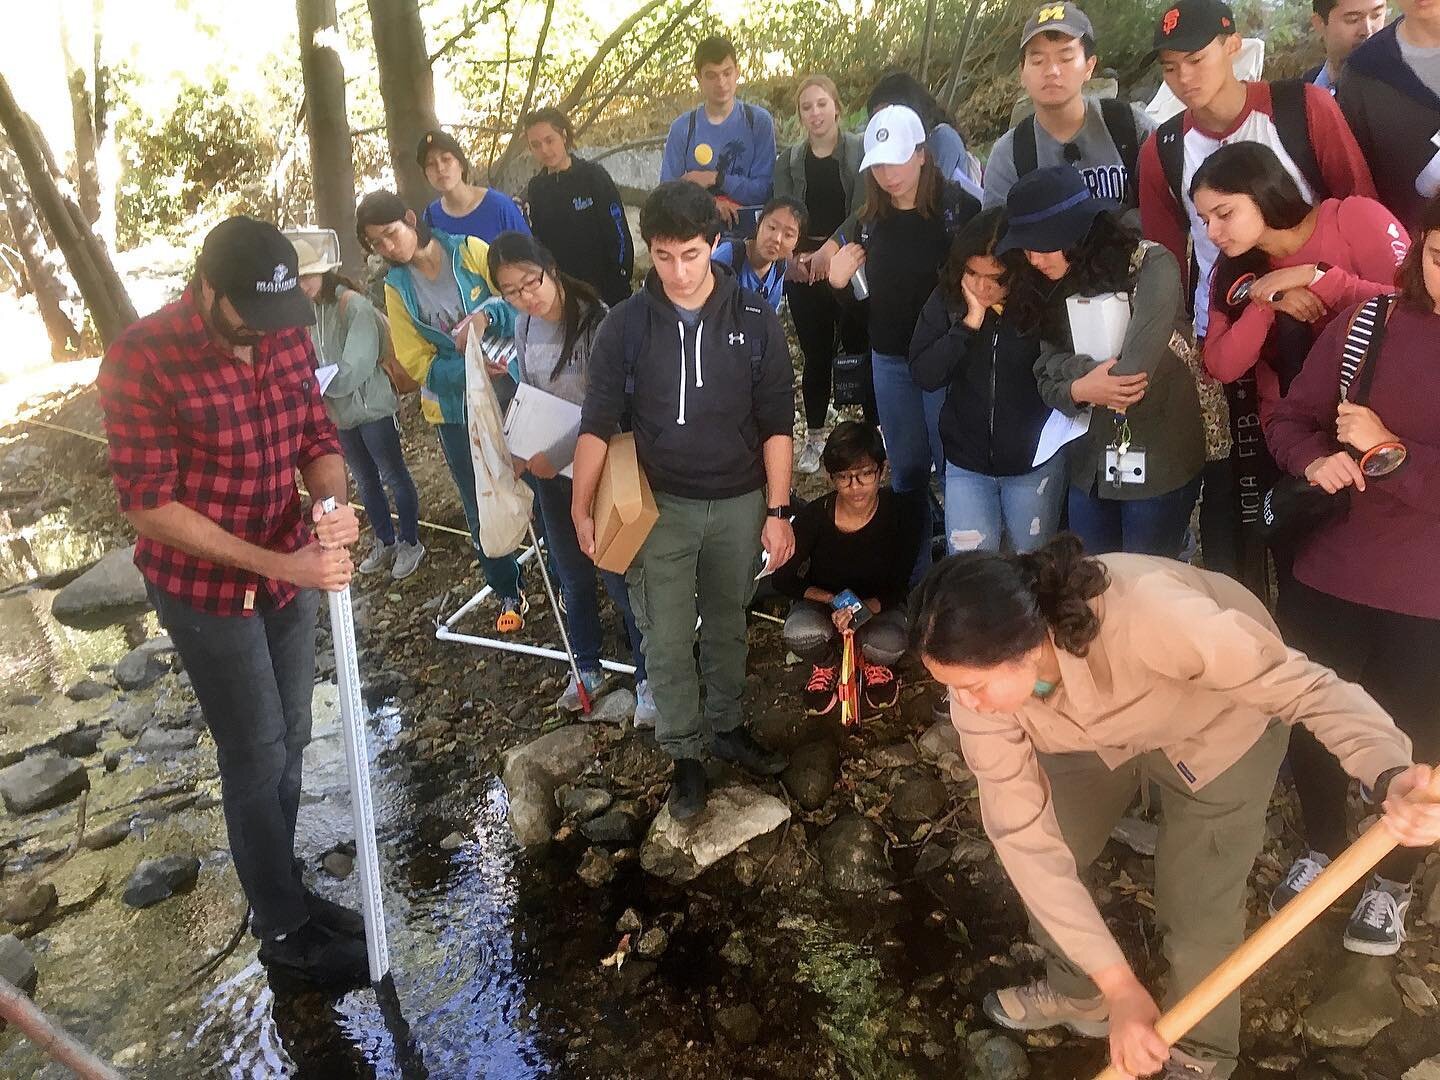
<point x="1190" y="25"/>
<point x="251" y="264"/>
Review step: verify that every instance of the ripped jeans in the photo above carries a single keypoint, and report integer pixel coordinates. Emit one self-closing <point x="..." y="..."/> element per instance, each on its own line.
<point x="980" y="510"/>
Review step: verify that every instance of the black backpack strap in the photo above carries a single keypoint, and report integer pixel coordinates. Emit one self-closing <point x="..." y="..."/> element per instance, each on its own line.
<point x="757" y="330"/>
<point x="749" y="115"/>
<point x="1120" y="122"/>
<point x="738" y="256"/>
<point x="634" y="333"/>
<point x="1027" y="157"/>
<point x="1292" y="124"/>
<point x="1170" y="145"/>
<point x="1363" y="338"/>
<point x="690" y="132"/>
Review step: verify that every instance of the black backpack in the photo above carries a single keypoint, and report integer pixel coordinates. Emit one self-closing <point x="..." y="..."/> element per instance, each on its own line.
<point x="1119" y="122"/>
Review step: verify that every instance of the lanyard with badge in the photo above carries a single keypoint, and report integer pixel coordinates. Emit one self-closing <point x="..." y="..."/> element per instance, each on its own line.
<point x="1124" y="461"/>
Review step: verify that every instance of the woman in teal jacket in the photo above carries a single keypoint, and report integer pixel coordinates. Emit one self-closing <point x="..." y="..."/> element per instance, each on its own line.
<point x="437" y="293"/>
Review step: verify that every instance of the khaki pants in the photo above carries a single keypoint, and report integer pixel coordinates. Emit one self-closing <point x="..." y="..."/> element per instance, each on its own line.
<point x="1208" y="842"/>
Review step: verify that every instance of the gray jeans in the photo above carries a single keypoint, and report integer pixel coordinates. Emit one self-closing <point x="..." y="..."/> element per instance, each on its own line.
<point x="811" y="635"/>
<point x="254" y="677"/>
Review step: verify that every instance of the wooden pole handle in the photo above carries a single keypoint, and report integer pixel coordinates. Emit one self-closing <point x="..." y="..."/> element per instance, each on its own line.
<point x="1329" y="885"/>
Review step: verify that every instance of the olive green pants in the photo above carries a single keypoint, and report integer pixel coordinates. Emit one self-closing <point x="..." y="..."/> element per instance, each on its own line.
<point x="700" y="560"/>
<point x="1208" y="842"/>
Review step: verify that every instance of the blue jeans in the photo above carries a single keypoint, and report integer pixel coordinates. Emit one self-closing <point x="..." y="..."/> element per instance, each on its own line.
<point x="910" y="419"/>
<point x="1153" y="526"/>
<point x="502" y="574"/>
<point x="372" y="450"/>
<point x="577" y="580"/>
<point x="982" y="510"/>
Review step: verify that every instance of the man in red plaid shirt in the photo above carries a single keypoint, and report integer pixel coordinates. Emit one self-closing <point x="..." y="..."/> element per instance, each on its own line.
<point x="213" y="408"/>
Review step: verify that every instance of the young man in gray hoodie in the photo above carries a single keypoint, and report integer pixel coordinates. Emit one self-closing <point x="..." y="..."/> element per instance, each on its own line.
<point x="701" y="368"/>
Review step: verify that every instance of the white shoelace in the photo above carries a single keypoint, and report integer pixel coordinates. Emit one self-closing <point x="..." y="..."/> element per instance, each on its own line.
<point x="1378" y="909"/>
<point x="1303" y="873"/>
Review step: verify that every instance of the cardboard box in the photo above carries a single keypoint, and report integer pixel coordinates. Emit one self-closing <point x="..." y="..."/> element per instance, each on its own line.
<point x="625" y="510"/>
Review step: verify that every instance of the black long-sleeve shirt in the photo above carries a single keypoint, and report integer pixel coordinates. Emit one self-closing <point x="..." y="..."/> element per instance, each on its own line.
<point x="578" y="215"/>
<point x="874" y="561"/>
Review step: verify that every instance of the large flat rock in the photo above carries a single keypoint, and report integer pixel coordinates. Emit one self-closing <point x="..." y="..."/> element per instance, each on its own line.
<point x="733" y="815"/>
<point x="42" y="781"/>
<point x="112" y="588"/>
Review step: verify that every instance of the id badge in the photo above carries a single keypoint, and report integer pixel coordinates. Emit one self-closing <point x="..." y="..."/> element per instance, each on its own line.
<point x="1125" y="465"/>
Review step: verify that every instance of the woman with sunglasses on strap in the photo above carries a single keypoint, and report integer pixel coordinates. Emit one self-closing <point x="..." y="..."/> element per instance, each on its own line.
<point x="554" y="330"/>
<point x="861" y="537"/>
<point x="1365" y="599"/>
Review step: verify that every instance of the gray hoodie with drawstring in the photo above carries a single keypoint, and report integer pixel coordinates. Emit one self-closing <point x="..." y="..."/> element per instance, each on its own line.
<point x="700" y="413"/>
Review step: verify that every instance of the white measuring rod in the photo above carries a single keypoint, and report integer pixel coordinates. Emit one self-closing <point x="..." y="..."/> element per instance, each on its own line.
<point x="357" y="763"/>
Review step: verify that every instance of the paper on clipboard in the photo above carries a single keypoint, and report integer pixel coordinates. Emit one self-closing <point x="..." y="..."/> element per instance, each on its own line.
<point x="325" y="375"/>
<point x="538" y="422"/>
<point x="1059" y="429"/>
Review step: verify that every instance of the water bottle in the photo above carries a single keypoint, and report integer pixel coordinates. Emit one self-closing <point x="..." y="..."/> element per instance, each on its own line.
<point x="859" y="285"/>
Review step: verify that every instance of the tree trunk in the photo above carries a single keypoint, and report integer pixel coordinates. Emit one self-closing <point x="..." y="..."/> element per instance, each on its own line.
<point x="332" y="168"/>
<point x="82" y="116"/>
<point x="408" y="90"/>
<point x="89" y="262"/>
<point x="49" y="290"/>
<point x="513" y="146"/>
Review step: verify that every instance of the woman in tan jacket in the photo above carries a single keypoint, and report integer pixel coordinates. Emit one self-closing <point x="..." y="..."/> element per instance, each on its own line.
<point x="1074" y="681"/>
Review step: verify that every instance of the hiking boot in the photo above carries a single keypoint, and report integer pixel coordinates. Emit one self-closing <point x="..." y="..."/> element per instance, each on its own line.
<point x="738" y="746"/>
<point x="318" y="955"/>
<point x="808" y="460"/>
<point x="407" y="559"/>
<point x="1303" y="871"/>
<point x="1183" y="1066"/>
<point x="381" y="556"/>
<point x="687" y="789"/>
<point x="511" y="619"/>
<point x="645" y="711"/>
<point x="1036" y="1006"/>
<point x="570" y="700"/>
<point x="332" y="916"/>
<point x="1377" y="925"/>
<point x="882" y="688"/>
<point x="820" y="696"/>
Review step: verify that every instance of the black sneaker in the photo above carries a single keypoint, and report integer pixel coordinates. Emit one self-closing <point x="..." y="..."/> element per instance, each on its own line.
<point x="318" y="955"/>
<point x="1377" y="925"/>
<point x="739" y="747"/>
<point x="687" y="789"/>
<point x="820" y="699"/>
<point x="333" y="916"/>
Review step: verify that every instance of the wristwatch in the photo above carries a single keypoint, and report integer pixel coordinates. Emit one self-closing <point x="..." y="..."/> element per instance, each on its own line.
<point x="1321" y="269"/>
<point x="778" y="511"/>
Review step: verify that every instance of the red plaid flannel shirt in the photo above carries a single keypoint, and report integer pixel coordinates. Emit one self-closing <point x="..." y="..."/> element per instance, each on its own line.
<point x="189" y="423"/>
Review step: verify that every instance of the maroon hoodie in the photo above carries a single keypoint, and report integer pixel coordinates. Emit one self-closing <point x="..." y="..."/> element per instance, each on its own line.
<point x="1385" y="552"/>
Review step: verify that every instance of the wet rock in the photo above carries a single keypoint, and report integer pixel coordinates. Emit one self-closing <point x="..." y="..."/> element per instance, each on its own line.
<point x="780" y="729"/>
<point x="1417" y="992"/>
<point x="338" y="864"/>
<point x="87" y="690"/>
<point x="17" y="966"/>
<point x="917" y="795"/>
<point x="616" y="707"/>
<point x="931" y="859"/>
<point x="595" y="869"/>
<point x="1429" y="1069"/>
<point x="1280" y="1063"/>
<point x="144" y="666"/>
<point x="852" y="852"/>
<point x="114" y="759"/>
<point x="629" y="922"/>
<point x="107" y="835"/>
<point x="894" y="756"/>
<point x="27" y="902"/>
<point x="583" y="803"/>
<point x="453" y="842"/>
<point x="615" y="827"/>
<point x="734" y="951"/>
<point x="812" y="772"/>
<point x="42" y="781"/>
<point x="1359" y="1003"/>
<point x="739" y="1023"/>
<point x="1139" y="836"/>
<point x="112" y="587"/>
<point x="653" y="943"/>
<point x="733" y="815"/>
<point x="82" y="742"/>
<point x="159" y="879"/>
<point x="159" y="740"/>
<point x="1431" y="889"/>
<point x="998" y="1058"/>
<point x="133" y="717"/>
<point x="531" y="774"/>
<point x="940" y="739"/>
<point x="25" y="701"/>
<point x="635" y="975"/>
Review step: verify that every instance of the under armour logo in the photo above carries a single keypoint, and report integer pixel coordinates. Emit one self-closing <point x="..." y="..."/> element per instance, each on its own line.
<point x="1050" y="14"/>
<point x="737" y="339"/>
<point x="1393" y="231"/>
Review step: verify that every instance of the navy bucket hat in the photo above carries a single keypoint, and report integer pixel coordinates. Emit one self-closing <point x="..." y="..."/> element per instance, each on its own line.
<point x="1050" y="209"/>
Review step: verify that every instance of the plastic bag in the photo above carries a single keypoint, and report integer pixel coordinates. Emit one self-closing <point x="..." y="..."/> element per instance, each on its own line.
<point x="503" y="499"/>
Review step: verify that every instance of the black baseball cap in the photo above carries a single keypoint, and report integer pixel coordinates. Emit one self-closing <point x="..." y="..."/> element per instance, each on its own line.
<point x="1064" y="19"/>
<point x="1190" y="25"/>
<point x="251" y="264"/>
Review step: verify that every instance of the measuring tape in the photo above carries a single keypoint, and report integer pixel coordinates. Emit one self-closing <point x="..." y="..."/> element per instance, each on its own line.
<point x="357" y="763"/>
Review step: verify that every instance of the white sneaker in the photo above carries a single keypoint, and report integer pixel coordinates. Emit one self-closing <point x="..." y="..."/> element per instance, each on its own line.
<point x="570" y="699"/>
<point x="1303" y="871"/>
<point x="407" y="559"/>
<point x="645" y="711"/>
<point x="379" y="558"/>
<point x="809" y="458"/>
<point x="1377" y="925"/>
